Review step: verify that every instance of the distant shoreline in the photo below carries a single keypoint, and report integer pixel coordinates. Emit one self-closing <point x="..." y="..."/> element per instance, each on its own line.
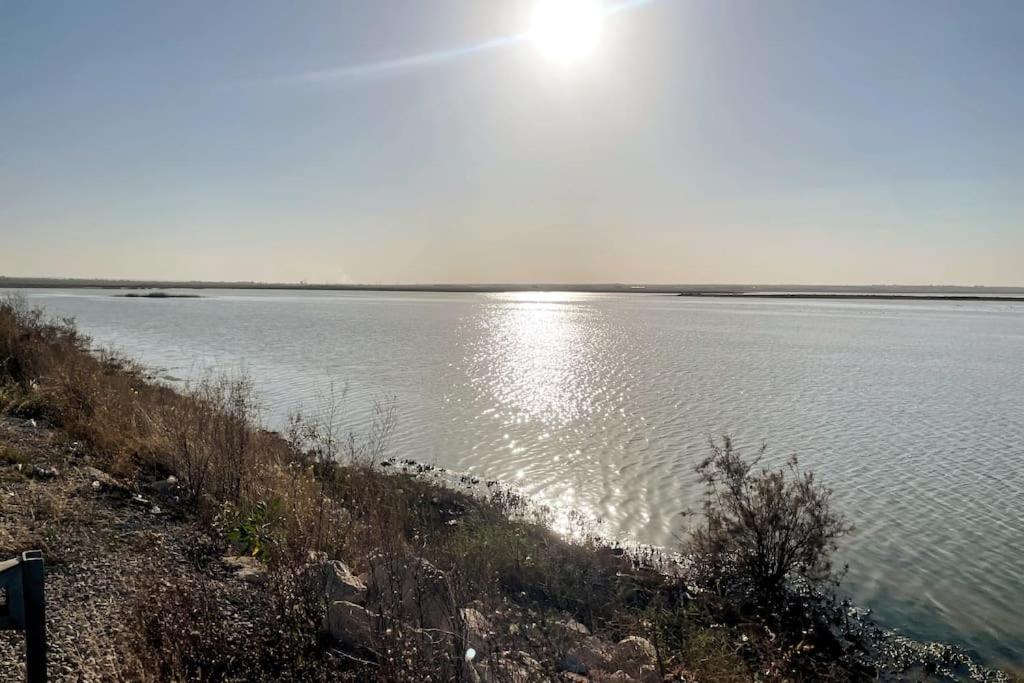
<point x="761" y="291"/>
<point x="873" y="297"/>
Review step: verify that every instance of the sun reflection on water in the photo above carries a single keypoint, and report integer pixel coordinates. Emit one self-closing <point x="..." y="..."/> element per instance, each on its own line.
<point x="535" y="363"/>
<point x="538" y="346"/>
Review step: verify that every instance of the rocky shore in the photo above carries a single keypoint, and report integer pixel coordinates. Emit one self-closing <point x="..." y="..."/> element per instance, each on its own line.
<point x="110" y="544"/>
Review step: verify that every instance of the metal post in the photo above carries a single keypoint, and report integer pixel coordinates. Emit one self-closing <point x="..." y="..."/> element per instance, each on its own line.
<point x="21" y="581"/>
<point x="35" y="616"/>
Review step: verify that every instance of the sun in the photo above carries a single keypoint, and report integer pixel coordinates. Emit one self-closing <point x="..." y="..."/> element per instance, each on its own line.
<point x="566" y="30"/>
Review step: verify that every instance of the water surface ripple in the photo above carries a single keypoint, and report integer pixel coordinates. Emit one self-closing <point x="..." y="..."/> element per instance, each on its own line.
<point x="910" y="410"/>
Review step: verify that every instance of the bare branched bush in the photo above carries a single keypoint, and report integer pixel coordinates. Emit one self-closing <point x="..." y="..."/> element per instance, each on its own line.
<point x="197" y="631"/>
<point x="332" y="483"/>
<point x="764" y="527"/>
<point x="328" y="439"/>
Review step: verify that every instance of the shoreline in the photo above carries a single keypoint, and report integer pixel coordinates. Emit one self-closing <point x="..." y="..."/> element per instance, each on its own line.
<point x="852" y="296"/>
<point x="524" y="598"/>
<point x="128" y="516"/>
<point x="781" y="291"/>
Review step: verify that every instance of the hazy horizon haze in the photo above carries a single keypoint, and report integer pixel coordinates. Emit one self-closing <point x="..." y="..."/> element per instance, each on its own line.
<point x="712" y="142"/>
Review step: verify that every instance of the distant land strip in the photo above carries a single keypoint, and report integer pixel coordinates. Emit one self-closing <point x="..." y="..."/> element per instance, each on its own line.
<point x="763" y="291"/>
<point x="841" y="295"/>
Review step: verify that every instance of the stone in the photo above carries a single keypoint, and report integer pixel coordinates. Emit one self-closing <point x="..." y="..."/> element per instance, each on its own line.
<point x="571" y="628"/>
<point x="512" y="667"/>
<point x="636" y="656"/>
<point x="477" y="628"/>
<point x="416" y="592"/>
<point x="352" y="625"/>
<point x="245" y="567"/>
<point x="38" y="472"/>
<point x="593" y="653"/>
<point x="337" y="583"/>
<point x="572" y="664"/>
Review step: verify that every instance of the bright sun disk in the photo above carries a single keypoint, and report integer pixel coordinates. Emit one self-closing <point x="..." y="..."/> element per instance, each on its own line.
<point x="566" y="30"/>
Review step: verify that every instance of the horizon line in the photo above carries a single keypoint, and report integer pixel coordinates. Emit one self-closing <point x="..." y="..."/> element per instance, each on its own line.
<point x="108" y="282"/>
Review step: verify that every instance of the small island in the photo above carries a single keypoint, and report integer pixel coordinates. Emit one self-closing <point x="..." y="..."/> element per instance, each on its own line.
<point x="158" y="295"/>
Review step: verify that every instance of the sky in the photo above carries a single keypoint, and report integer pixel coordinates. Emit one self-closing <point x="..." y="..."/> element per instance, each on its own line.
<point x="700" y="141"/>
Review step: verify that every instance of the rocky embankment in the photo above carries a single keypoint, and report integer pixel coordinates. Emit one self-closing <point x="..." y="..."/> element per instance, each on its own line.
<point x="112" y="547"/>
<point x="129" y="568"/>
<point x="426" y="608"/>
<point x="119" y="552"/>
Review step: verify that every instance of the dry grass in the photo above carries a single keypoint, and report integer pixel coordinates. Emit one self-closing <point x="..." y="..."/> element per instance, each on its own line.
<point x="12" y="456"/>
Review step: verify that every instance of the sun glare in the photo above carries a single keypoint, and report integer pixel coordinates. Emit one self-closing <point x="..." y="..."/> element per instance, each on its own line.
<point x="566" y="30"/>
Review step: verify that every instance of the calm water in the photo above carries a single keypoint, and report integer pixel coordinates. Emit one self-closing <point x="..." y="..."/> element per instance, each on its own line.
<point x="913" y="412"/>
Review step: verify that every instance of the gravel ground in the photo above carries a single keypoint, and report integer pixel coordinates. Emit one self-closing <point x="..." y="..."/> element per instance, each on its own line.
<point x="100" y="546"/>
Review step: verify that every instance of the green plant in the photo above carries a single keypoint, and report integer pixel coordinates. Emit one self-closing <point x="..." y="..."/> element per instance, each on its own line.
<point x="253" y="530"/>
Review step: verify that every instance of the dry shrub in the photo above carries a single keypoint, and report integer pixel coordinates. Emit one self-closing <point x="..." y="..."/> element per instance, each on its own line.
<point x="97" y="398"/>
<point x="763" y="559"/>
<point x="201" y="630"/>
<point x="712" y="655"/>
<point x="211" y="441"/>
<point x="187" y="633"/>
<point x="764" y="527"/>
<point x="208" y="435"/>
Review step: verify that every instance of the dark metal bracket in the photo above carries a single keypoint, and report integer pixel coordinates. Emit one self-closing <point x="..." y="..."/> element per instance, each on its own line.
<point x="22" y="608"/>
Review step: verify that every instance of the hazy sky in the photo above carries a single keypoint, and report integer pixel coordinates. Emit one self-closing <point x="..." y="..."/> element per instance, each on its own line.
<point x="701" y="141"/>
